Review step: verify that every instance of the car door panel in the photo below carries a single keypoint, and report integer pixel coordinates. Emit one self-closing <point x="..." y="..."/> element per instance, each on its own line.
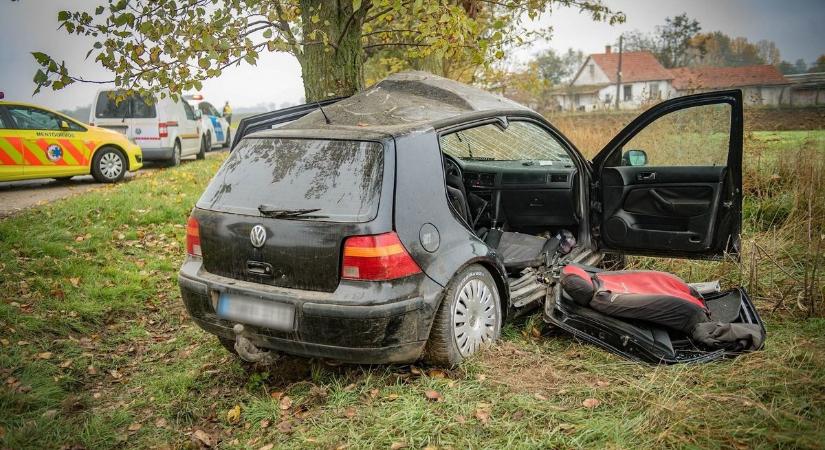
<point x="691" y="211"/>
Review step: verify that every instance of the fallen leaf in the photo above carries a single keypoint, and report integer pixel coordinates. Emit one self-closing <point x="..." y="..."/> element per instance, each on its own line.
<point x="392" y="396"/>
<point x="398" y="446"/>
<point x="267" y="447"/>
<point x="276" y="394"/>
<point x="234" y="414"/>
<point x="285" y="427"/>
<point x="285" y="403"/>
<point x="436" y="373"/>
<point x="66" y="364"/>
<point x="433" y="396"/>
<point x="350" y="412"/>
<point x="201" y="438"/>
<point x="566" y="426"/>
<point x="374" y="393"/>
<point x="91" y="370"/>
<point x="50" y="414"/>
<point x="601" y="383"/>
<point x="415" y="370"/>
<point x="44" y="355"/>
<point x="518" y="415"/>
<point x="264" y="423"/>
<point x="540" y="397"/>
<point x="160" y="423"/>
<point x="135" y="426"/>
<point x="483" y="416"/>
<point x="591" y="403"/>
<point x="115" y="374"/>
<point x="481" y="377"/>
<point x="75" y="281"/>
<point x="461" y="420"/>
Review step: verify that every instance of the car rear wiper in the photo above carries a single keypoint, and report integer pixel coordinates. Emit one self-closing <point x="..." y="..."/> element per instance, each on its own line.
<point x="269" y="211"/>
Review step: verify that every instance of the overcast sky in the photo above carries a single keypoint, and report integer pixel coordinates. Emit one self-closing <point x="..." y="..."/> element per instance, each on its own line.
<point x="796" y="26"/>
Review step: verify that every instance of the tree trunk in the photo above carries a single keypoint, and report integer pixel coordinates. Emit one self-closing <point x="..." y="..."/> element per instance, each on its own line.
<point x="334" y="68"/>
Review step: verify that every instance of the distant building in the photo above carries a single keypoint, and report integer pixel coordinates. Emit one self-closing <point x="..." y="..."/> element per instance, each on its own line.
<point x="644" y="80"/>
<point x="593" y="87"/>
<point x="806" y="89"/>
<point x="760" y="85"/>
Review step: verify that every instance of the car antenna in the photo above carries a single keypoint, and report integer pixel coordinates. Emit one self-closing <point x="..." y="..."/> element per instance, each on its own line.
<point x="326" y="118"/>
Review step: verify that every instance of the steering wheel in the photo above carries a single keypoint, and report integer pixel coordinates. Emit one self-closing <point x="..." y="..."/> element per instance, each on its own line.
<point x="451" y="167"/>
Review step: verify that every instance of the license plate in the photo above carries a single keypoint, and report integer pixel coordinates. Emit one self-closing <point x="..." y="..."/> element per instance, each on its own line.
<point x="254" y="311"/>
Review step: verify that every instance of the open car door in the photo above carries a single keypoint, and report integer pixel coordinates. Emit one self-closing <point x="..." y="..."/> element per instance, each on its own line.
<point x="670" y="183"/>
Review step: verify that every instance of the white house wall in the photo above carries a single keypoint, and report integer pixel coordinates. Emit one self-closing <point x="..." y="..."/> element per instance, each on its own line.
<point x="585" y="78"/>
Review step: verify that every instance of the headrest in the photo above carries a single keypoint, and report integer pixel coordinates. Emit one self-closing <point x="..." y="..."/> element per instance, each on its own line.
<point x="578" y="284"/>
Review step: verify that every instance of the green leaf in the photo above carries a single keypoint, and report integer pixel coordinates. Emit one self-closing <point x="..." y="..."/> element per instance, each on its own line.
<point x="356" y="4"/>
<point x="203" y="63"/>
<point x="63" y="15"/>
<point x="41" y="58"/>
<point x="268" y="33"/>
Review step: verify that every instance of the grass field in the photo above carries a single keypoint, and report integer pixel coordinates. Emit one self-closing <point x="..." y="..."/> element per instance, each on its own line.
<point x="96" y="350"/>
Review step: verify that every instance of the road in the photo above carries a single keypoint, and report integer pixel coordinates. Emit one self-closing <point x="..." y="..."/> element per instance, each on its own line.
<point x="16" y="196"/>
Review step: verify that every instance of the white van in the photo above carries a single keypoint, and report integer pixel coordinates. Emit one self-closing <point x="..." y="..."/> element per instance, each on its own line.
<point x="214" y="126"/>
<point x="166" y="130"/>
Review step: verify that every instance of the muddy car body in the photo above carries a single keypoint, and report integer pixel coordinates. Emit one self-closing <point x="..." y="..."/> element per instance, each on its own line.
<point x="339" y="230"/>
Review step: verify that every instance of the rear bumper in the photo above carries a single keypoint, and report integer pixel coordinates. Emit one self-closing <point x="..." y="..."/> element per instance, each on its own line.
<point x="390" y="324"/>
<point x="157" y="153"/>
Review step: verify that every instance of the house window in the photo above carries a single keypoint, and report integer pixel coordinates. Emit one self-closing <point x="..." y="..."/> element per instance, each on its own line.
<point x="628" y="92"/>
<point x="654" y="91"/>
<point x="592" y="70"/>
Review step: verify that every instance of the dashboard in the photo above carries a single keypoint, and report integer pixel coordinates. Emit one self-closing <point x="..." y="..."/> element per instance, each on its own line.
<point x="531" y="194"/>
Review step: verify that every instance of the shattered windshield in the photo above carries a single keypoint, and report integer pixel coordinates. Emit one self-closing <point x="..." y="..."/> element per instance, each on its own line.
<point x="520" y="141"/>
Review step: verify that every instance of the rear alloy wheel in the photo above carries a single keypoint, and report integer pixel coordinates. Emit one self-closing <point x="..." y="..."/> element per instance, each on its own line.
<point x="108" y="165"/>
<point x="468" y="319"/>
<point x="175" y="159"/>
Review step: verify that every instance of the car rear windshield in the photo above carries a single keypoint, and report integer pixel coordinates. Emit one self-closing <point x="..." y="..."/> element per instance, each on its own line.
<point x="341" y="179"/>
<point x="132" y="107"/>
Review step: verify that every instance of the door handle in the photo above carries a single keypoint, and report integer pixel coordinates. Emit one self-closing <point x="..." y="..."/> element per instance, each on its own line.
<point x="646" y="176"/>
<point x="260" y="269"/>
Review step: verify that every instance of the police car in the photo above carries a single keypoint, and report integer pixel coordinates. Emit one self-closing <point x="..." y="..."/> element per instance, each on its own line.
<point x="215" y="127"/>
<point x="39" y="143"/>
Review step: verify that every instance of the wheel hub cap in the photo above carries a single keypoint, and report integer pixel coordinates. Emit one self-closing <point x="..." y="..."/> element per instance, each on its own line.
<point x="111" y="165"/>
<point x="474" y="317"/>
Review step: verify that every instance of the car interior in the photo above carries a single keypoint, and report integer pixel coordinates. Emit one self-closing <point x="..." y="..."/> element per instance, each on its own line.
<point x="522" y="202"/>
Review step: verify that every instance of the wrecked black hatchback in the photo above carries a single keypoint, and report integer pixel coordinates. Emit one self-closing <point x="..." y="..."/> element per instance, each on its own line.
<point x="412" y="219"/>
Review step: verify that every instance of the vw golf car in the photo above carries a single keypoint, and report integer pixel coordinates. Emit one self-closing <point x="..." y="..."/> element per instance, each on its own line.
<point x="412" y="219"/>
<point x="38" y="143"/>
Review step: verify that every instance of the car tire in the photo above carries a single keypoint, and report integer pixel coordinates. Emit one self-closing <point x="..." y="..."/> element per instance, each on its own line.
<point x="472" y="292"/>
<point x="109" y="165"/>
<point x="175" y="159"/>
<point x="205" y="143"/>
<point x="228" y="140"/>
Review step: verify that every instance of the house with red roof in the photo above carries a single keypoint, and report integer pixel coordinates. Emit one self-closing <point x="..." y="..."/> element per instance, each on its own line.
<point x="594" y="87"/>
<point x="644" y="81"/>
<point x="760" y="84"/>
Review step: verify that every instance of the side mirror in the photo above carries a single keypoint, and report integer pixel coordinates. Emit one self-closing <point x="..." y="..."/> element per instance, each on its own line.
<point x="64" y="125"/>
<point x="634" y="158"/>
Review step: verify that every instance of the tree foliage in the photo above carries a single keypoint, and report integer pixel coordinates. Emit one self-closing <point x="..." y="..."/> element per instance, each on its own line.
<point x="174" y="45"/>
<point x="671" y="42"/>
<point x="558" y="68"/>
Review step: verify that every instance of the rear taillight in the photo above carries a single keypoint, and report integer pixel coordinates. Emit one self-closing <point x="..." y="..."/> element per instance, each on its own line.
<point x="193" y="237"/>
<point x="376" y="258"/>
<point x="163" y="130"/>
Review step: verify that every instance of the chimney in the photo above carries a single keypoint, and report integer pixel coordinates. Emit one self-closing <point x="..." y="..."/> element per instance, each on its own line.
<point x="607" y="49"/>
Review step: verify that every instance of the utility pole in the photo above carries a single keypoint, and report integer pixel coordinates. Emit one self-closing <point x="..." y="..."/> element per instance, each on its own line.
<point x="619" y="74"/>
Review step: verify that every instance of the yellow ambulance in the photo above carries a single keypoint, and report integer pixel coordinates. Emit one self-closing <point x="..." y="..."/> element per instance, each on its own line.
<point x="39" y="143"/>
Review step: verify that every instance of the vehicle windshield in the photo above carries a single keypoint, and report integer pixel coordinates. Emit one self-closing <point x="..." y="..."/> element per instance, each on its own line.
<point x="302" y="179"/>
<point x="131" y="107"/>
<point x="520" y="141"/>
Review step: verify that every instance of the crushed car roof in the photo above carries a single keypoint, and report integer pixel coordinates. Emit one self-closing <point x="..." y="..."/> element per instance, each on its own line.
<point x="402" y="103"/>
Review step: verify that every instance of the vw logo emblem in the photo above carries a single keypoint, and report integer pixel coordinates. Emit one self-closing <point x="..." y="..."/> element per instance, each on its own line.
<point x="257" y="236"/>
